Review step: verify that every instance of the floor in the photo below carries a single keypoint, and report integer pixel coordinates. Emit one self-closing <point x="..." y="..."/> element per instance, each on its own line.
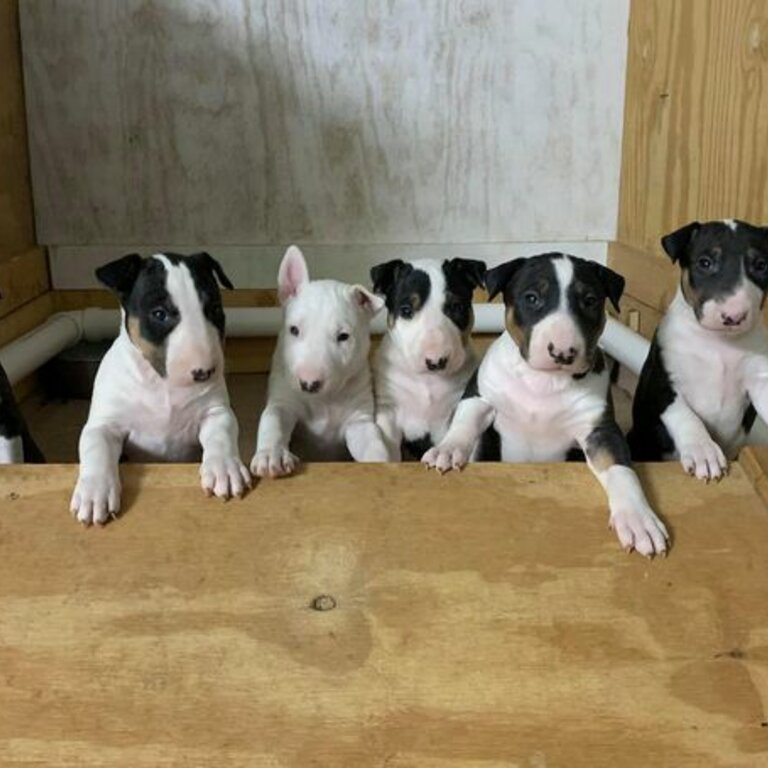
<point x="56" y="424"/>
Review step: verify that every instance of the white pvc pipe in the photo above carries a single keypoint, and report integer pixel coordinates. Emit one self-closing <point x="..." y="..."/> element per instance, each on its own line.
<point x="26" y="354"/>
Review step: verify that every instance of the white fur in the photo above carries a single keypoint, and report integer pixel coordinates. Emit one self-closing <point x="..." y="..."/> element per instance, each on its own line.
<point x="539" y="416"/>
<point x="743" y="304"/>
<point x="411" y="400"/>
<point x="558" y="328"/>
<point x="731" y="224"/>
<point x="137" y="413"/>
<point x="341" y="414"/>
<point x="11" y="450"/>
<point x="713" y="373"/>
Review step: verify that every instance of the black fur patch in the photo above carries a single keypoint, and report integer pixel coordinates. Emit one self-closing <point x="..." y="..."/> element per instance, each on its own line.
<point x="12" y="423"/>
<point x="405" y="289"/>
<point x="462" y="276"/>
<point x="415" y="449"/>
<point x="712" y="257"/>
<point x="489" y="446"/>
<point x="606" y="444"/>
<point x="748" y="419"/>
<point x="648" y="439"/>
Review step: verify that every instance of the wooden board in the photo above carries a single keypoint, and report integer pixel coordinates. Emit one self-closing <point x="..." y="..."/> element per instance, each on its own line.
<point x="482" y="619"/>
<point x="23" y="277"/>
<point x="696" y="116"/>
<point x="16" y="223"/>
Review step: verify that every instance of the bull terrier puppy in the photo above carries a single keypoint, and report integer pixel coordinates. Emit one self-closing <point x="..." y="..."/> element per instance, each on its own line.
<point x="426" y="358"/>
<point x="543" y="389"/>
<point x="707" y="369"/>
<point x="320" y="399"/>
<point x="160" y="393"/>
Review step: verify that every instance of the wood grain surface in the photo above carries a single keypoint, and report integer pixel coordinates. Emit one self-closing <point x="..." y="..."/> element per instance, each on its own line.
<point x="696" y="116"/>
<point x="16" y="221"/>
<point x="482" y="619"/>
<point x="336" y="122"/>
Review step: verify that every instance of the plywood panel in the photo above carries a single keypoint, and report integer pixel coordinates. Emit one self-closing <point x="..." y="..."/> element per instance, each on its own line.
<point x="23" y="277"/>
<point x="16" y="223"/>
<point x="696" y="116"/>
<point x="485" y="618"/>
<point x="334" y="122"/>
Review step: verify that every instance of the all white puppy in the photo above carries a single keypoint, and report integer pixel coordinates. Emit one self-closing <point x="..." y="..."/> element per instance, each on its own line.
<point x="160" y="393"/>
<point x="543" y="389"/>
<point x="320" y="399"/>
<point x="426" y="359"/>
<point x="707" y="368"/>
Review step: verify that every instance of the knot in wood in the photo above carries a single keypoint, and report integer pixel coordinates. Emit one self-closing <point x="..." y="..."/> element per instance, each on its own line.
<point x="323" y="603"/>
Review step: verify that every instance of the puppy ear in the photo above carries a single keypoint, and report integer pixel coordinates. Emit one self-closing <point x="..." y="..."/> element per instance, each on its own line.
<point x="676" y="243"/>
<point x="471" y="271"/>
<point x="383" y="276"/>
<point x="120" y="275"/>
<point x="498" y="278"/>
<point x="613" y="283"/>
<point x="367" y="301"/>
<point x="293" y="274"/>
<point x="214" y="267"/>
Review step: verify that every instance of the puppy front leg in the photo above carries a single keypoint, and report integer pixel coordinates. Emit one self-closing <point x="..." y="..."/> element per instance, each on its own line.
<point x="273" y="457"/>
<point x="700" y="455"/>
<point x="472" y="417"/>
<point x="390" y="432"/>
<point x="221" y="472"/>
<point x="632" y="518"/>
<point x="97" y="494"/>
<point x="364" y="441"/>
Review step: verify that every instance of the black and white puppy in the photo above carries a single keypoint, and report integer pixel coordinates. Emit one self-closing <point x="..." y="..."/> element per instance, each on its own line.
<point x="160" y="393"/>
<point x="426" y="358"/>
<point x="707" y="369"/>
<point x="16" y="444"/>
<point x="543" y="388"/>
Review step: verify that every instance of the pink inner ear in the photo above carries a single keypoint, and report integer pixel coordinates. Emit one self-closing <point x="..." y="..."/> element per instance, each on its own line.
<point x="367" y="301"/>
<point x="293" y="274"/>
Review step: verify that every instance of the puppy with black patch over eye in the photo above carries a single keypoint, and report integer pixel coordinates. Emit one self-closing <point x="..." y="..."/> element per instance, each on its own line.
<point x="426" y="358"/>
<point x="543" y="390"/>
<point x="707" y="368"/>
<point x="160" y="393"/>
<point x="16" y="443"/>
<point x="320" y="399"/>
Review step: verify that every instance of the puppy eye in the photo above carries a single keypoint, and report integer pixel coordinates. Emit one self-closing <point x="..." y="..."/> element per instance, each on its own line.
<point x="406" y="311"/>
<point x="455" y="308"/>
<point x="589" y="301"/>
<point x="159" y="314"/>
<point x="294" y="330"/>
<point x="531" y="298"/>
<point x="343" y="336"/>
<point x="704" y="263"/>
<point x="760" y="264"/>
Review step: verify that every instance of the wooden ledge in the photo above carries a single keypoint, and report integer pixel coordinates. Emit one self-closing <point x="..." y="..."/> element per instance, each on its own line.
<point x="382" y="615"/>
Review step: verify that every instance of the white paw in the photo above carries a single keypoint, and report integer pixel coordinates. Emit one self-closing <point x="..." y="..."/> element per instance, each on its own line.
<point x="445" y="457"/>
<point x="704" y="460"/>
<point x="96" y="499"/>
<point x="273" y="462"/>
<point x="638" y="528"/>
<point x="224" y="476"/>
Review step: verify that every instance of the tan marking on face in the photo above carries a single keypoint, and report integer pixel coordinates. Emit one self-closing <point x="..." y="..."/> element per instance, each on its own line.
<point x="514" y="330"/>
<point x="689" y="293"/>
<point x="154" y="355"/>
<point x="415" y="302"/>
<point x="466" y="334"/>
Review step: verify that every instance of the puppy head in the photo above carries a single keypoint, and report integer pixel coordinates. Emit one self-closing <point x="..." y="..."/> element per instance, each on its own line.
<point x="723" y="272"/>
<point x="325" y="337"/>
<point x="172" y="311"/>
<point x="429" y="306"/>
<point x="555" y="308"/>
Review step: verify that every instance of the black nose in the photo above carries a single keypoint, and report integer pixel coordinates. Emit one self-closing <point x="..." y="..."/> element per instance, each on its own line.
<point x="311" y="386"/>
<point x="200" y="375"/>
<point x="562" y="357"/>
<point x="436" y="365"/>
<point x="734" y="319"/>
